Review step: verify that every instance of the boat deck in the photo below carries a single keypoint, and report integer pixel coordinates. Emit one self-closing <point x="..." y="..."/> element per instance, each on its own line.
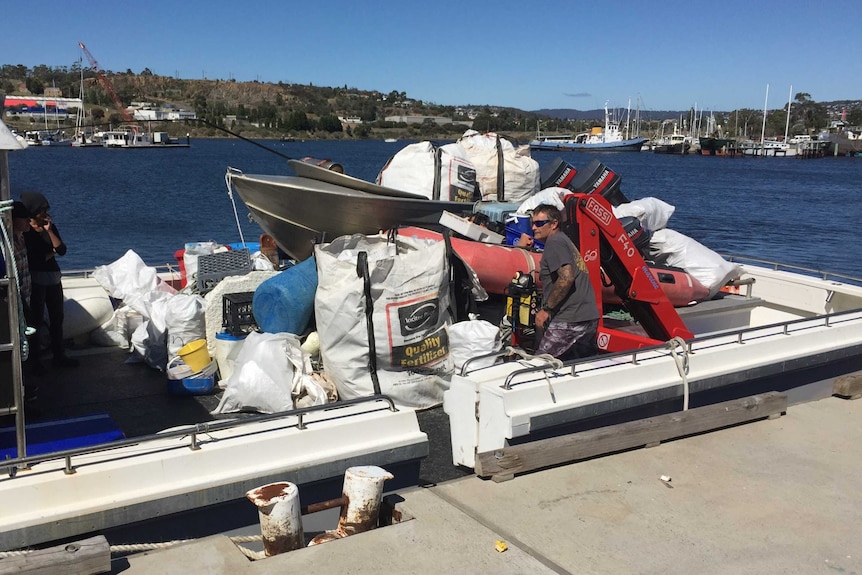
<point x="136" y="398"/>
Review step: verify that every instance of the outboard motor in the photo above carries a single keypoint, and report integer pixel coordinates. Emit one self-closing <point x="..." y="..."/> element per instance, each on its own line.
<point x="557" y="174"/>
<point x="595" y="178"/>
<point x="638" y="235"/>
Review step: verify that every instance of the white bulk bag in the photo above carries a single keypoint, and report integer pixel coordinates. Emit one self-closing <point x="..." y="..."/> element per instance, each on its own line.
<point x="672" y="248"/>
<point x="443" y="173"/>
<point x="127" y="277"/>
<point x="410" y="299"/>
<point x="652" y="212"/>
<point x="520" y="171"/>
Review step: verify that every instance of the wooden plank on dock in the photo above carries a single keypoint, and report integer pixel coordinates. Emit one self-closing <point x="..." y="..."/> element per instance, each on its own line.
<point x="848" y="386"/>
<point x="502" y="464"/>
<point x="85" y="557"/>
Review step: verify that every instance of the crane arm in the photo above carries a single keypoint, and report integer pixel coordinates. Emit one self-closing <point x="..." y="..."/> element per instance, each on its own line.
<point x="106" y="84"/>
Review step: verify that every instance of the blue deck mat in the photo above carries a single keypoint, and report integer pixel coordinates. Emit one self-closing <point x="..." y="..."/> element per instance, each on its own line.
<point x="59" y="434"/>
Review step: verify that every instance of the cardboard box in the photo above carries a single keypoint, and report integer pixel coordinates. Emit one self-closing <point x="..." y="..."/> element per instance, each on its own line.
<point x="469" y="229"/>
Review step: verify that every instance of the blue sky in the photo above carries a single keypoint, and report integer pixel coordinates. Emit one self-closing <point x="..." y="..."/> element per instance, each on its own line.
<point x="673" y="54"/>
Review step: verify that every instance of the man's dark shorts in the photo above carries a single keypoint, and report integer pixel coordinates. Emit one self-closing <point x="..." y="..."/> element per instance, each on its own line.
<point x="570" y="340"/>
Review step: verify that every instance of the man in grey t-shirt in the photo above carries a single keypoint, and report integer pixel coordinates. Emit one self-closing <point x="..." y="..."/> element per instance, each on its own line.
<point x="569" y="314"/>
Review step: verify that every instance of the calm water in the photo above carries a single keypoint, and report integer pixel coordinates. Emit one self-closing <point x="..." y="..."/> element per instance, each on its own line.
<point x="802" y="212"/>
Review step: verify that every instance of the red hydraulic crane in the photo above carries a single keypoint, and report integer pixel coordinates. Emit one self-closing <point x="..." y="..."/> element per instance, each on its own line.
<point x="103" y="79"/>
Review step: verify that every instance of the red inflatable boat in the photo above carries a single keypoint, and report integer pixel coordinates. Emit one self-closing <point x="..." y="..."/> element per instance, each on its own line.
<point x="495" y="265"/>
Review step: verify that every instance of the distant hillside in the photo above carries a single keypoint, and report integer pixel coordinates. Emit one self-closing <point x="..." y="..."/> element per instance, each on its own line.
<point x="833" y="108"/>
<point x="263" y="110"/>
<point x="279" y="110"/>
<point x="599" y="114"/>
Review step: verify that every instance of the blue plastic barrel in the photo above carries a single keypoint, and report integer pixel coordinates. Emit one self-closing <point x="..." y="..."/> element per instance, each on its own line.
<point x="284" y="303"/>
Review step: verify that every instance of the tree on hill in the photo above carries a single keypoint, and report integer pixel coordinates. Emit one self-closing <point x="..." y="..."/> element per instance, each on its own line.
<point x="298" y="121"/>
<point x="329" y="123"/>
<point x="746" y="122"/>
<point x="35" y="85"/>
<point x="811" y="114"/>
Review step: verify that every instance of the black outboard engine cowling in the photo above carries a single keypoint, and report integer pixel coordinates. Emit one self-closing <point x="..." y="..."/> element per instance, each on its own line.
<point x="557" y="174"/>
<point x="638" y="235"/>
<point x="596" y="177"/>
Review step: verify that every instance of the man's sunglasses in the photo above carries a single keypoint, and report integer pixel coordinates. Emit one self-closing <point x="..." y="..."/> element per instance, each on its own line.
<point x="539" y="223"/>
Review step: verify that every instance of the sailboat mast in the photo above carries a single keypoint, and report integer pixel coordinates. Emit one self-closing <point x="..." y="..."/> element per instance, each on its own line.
<point x="763" y="128"/>
<point x="693" y="126"/>
<point x="787" y="123"/>
<point x="628" y="115"/>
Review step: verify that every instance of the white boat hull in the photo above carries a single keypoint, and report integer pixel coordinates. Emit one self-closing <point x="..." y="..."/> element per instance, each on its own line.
<point x="158" y="477"/>
<point x="782" y="338"/>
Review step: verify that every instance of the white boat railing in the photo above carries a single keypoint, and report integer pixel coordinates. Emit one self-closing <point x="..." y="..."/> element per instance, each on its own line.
<point x="11" y="466"/>
<point x="166" y="268"/>
<point x="724" y="338"/>
<point x="778" y="266"/>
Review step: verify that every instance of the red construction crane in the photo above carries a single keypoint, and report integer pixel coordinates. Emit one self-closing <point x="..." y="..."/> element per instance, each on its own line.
<point x="106" y="84"/>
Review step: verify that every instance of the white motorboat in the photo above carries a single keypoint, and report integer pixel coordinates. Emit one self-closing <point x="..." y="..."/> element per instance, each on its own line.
<point x="132" y="136"/>
<point x="769" y="148"/>
<point x="772" y="329"/>
<point x="673" y="143"/>
<point x="63" y="494"/>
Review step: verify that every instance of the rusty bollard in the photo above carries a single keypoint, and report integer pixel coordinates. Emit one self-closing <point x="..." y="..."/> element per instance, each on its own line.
<point x="362" y="493"/>
<point x="280" y="517"/>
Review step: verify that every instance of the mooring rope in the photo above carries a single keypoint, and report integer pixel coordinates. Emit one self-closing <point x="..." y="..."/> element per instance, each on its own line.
<point x="555" y="363"/>
<point x="138" y="547"/>
<point x="236" y="540"/>
<point x="233" y="203"/>
<point x="681" y="360"/>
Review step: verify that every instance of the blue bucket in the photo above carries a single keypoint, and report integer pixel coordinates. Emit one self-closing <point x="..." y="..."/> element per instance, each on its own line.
<point x="198" y="385"/>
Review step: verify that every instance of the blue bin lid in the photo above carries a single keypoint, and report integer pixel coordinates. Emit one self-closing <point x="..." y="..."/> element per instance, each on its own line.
<point x="229" y="336"/>
<point x="250" y="246"/>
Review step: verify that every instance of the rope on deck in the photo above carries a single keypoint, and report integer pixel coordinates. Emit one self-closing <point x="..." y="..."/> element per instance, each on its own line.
<point x="138" y="547"/>
<point x="675" y="345"/>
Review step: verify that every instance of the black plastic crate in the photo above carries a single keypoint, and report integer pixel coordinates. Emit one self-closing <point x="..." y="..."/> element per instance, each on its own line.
<point x="237" y="318"/>
<point x="213" y="268"/>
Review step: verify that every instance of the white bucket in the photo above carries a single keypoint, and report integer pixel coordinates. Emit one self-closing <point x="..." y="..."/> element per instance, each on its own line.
<point x="227" y="349"/>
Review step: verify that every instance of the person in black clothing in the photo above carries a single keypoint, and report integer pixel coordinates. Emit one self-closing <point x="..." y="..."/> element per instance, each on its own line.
<point x="44" y="244"/>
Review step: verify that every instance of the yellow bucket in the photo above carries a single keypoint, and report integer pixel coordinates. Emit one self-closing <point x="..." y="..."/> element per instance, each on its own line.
<point x="195" y="355"/>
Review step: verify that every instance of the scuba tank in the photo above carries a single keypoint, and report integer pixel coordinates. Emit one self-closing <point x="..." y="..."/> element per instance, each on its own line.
<point x="522" y="303"/>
